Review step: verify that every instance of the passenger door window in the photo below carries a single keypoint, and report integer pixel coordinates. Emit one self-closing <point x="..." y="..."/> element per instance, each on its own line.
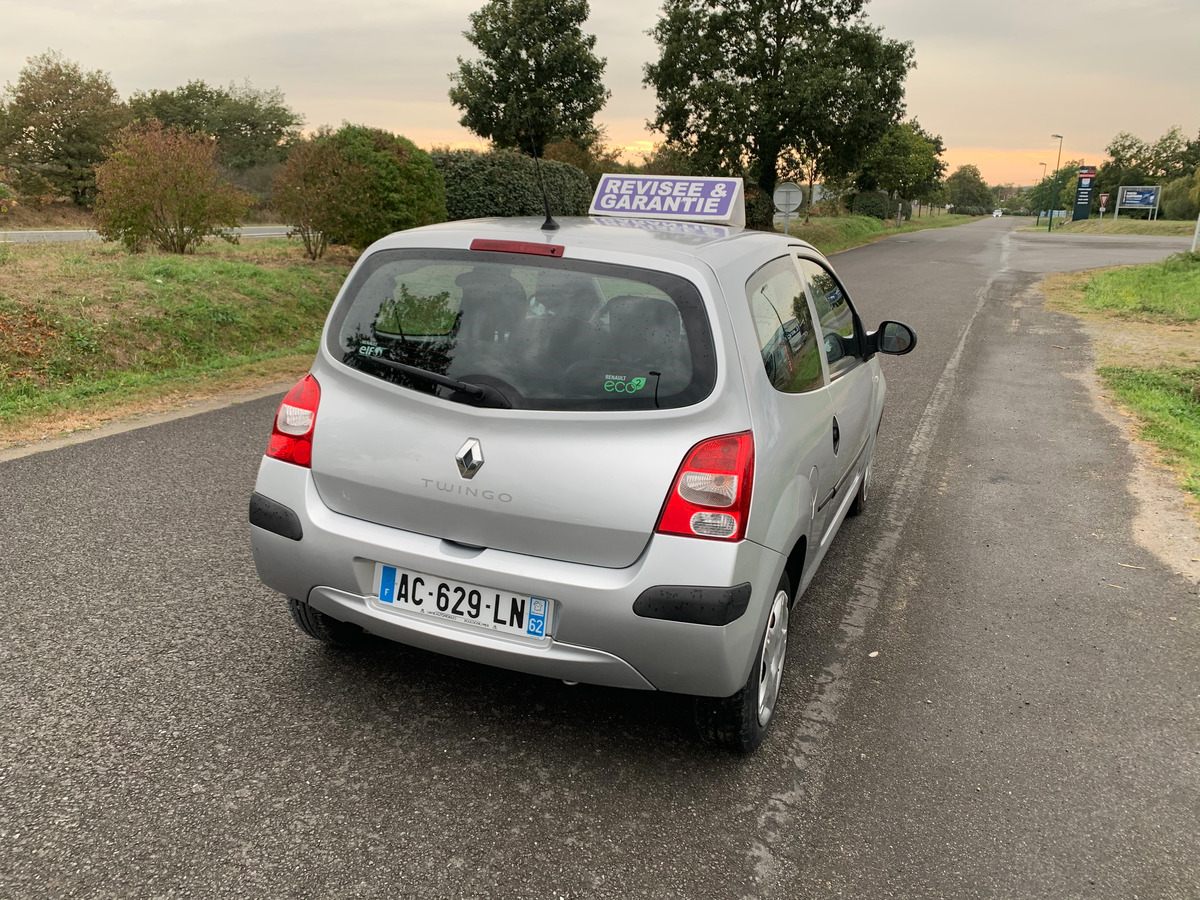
<point x="836" y="318"/>
<point x="783" y="323"/>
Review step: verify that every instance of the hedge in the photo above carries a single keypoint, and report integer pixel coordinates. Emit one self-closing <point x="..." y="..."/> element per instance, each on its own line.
<point x="505" y="183"/>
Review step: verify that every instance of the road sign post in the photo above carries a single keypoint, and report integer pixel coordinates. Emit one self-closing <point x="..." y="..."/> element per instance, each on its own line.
<point x="788" y="197"/>
<point x="1103" y="204"/>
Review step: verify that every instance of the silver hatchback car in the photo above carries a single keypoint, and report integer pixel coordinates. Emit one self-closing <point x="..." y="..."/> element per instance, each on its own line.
<point x="611" y="453"/>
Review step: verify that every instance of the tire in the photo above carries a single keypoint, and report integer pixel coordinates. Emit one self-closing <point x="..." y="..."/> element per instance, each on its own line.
<point x="323" y="628"/>
<point x="864" y="489"/>
<point x="740" y="723"/>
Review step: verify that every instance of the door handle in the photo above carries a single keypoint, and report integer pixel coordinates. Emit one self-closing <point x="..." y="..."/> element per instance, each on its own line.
<point x="837" y="436"/>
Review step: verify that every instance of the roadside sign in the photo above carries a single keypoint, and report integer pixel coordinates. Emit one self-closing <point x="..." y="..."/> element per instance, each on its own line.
<point x="1138" y="197"/>
<point x="788" y="197"/>
<point x="1103" y="200"/>
<point x="1083" y="193"/>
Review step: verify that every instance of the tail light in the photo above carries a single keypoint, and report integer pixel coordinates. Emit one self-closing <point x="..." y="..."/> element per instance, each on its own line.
<point x="711" y="494"/>
<point x="291" y="438"/>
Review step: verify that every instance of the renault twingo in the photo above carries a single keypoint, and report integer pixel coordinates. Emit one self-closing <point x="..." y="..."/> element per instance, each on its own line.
<point x="614" y="452"/>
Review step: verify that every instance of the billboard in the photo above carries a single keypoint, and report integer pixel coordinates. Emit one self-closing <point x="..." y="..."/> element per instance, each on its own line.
<point x="1138" y="197"/>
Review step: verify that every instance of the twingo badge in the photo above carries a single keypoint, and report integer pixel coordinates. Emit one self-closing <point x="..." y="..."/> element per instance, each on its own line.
<point x="720" y="201"/>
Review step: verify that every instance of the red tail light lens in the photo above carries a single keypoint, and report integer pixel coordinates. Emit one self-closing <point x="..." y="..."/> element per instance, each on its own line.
<point x="711" y="494"/>
<point x="291" y="438"/>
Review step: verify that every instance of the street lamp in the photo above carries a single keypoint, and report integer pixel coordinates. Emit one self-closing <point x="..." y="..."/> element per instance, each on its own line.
<point x="1054" y="200"/>
<point x="1043" y="181"/>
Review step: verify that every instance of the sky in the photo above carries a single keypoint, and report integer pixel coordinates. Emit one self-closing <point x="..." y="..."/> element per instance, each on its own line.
<point x="995" y="78"/>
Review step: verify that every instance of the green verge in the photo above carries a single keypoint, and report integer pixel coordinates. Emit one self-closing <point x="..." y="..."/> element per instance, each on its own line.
<point x="1167" y="403"/>
<point x="1155" y="227"/>
<point x="1162" y="292"/>
<point x="832" y="234"/>
<point x="1165" y="399"/>
<point x="88" y="324"/>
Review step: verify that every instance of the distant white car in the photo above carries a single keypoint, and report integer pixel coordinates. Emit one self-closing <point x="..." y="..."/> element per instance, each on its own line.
<point x="996" y="213"/>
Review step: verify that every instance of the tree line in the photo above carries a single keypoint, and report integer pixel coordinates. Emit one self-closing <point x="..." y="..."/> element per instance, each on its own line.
<point x="804" y="90"/>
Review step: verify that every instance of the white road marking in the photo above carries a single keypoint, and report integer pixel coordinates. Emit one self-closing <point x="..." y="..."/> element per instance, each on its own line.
<point x="806" y="762"/>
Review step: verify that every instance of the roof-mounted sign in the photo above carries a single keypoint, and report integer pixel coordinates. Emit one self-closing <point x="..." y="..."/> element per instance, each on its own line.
<point x="720" y="201"/>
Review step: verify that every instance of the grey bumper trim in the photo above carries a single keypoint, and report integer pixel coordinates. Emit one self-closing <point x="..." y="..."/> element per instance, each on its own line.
<point x="274" y="517"/>
<point x="698" y="605"/>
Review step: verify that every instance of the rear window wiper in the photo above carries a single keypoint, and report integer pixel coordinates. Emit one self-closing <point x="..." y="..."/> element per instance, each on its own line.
<point x="476" y="394"/>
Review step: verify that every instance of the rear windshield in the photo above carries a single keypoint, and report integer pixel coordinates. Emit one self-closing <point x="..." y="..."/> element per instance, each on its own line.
<point x="546" y="333"/>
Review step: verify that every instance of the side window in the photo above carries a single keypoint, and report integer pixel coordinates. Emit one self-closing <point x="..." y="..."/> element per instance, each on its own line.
<point x="836" y="318"/>
<point x="784" y="325"/>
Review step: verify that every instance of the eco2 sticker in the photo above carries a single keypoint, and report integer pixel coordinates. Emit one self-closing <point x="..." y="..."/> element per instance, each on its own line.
<point x="623" y="384"/>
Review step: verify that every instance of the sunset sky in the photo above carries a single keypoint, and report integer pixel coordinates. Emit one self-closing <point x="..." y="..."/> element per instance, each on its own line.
<point x="995" y="79"/>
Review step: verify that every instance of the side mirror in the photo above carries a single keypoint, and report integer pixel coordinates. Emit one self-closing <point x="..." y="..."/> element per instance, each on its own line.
<point x="895" y="338"/>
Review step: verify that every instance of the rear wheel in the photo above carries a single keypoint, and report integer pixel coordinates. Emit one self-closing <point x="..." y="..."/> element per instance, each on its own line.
<point x="741" y="722"/>
<point x="323" y="628"/>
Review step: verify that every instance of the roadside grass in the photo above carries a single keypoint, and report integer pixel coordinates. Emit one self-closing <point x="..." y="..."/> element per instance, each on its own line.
<point x="1155" y="227"/>
<point x="1146" y="320"/>
<point x="87" y="325"/>
<point x="1167" y="403"/>
<point x="1167" y="292"/>
<point x="831" y="234"/>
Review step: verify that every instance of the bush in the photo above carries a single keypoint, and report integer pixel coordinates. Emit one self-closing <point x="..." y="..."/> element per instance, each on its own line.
<point x="355" y="186"/>
<point x="1177" y="202"/>
<point x="162" y="185"/>
<point x="760" y="209"/>
<point x="8" y="198"/>
<point x="395" y="186"/>
<point x="504" y="183"/>
<point x="870" y="203"/>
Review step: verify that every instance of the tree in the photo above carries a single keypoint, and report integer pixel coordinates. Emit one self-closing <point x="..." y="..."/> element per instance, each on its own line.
<point x="162" y="185"/>
<point x="594" y="159"/>
<point x="1132" y="161"/>
<point x="537" y="80"/>
<point x="905" y="162"/>
<point x="966" y="189"/>
<point x="310" y="188"/>
<point x="357" y="185"/>
<point x="252" y="127"/>
<point x="1177" y="202"/>
<point x="741" y="83"/>
<point x="54" y="124"/>
<point x="668" y="159"/>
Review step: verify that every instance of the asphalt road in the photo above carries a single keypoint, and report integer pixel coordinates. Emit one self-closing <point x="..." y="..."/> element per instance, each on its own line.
<point x="1028" y="728"/>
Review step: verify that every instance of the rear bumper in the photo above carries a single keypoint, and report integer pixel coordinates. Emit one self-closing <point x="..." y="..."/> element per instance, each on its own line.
<point x="596" y="636"/>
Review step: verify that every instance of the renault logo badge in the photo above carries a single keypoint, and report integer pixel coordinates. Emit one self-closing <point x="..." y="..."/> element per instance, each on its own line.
<point x="470" y="458"/>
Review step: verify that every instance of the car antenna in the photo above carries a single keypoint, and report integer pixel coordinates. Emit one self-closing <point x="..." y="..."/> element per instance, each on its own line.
<point x="549" y="224"/>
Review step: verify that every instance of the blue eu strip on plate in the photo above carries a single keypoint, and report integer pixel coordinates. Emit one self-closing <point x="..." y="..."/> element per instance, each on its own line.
<point x="387" y="584"/>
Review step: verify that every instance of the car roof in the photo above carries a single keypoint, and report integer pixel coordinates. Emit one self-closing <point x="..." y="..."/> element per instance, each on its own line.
<point x="713" y="245"/>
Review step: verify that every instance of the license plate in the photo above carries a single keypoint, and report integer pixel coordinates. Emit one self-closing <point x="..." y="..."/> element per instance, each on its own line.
<point x="517" y="615"/>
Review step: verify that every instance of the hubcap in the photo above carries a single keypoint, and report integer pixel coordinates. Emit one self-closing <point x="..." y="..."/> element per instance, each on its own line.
<point x="774" y="649"/>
